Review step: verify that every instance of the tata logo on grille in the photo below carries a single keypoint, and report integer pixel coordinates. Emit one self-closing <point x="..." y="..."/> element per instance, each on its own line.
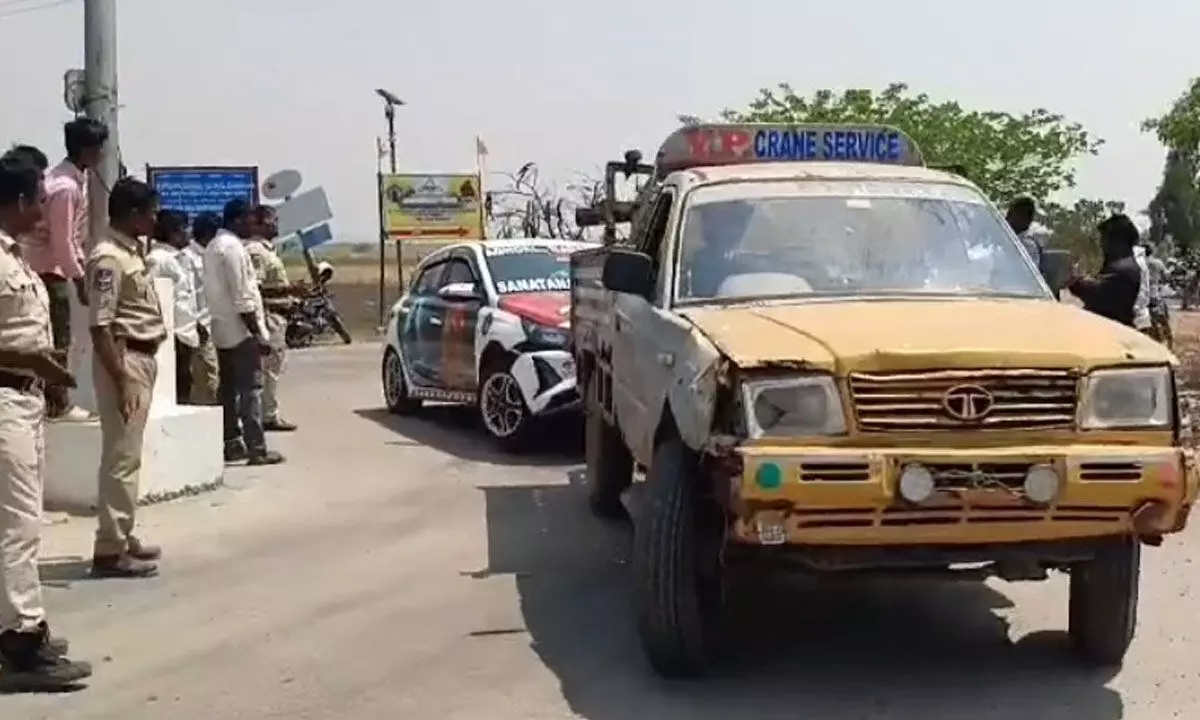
<point x="968" y="403"/>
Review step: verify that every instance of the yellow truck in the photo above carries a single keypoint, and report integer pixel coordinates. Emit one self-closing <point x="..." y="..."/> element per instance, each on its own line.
<point x="829" y="357"/>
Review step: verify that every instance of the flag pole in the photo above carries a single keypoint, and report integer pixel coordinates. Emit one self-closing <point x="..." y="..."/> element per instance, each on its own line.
<point x="481" y="169"/>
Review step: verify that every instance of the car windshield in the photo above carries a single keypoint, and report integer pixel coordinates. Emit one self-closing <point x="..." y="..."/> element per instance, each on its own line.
<point x="848" y="239"/>
<point x="529" y="268"/>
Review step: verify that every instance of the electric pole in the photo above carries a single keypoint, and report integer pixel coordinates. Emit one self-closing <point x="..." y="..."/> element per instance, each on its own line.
<point x="100" y="100"/>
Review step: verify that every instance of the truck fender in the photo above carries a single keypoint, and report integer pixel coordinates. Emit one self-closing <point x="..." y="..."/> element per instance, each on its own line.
<point x="692" y="394"/>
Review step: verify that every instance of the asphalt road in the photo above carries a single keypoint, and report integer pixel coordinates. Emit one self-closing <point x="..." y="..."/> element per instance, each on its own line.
<point x="399" y="568"/>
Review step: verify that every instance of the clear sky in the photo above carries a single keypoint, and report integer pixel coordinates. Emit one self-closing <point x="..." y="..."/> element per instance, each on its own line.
<point x="570" y="84"/>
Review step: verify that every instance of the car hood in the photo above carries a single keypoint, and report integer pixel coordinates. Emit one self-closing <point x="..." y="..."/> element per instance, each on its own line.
<point x="869" y="336"/>
<point x="550" y="309"/>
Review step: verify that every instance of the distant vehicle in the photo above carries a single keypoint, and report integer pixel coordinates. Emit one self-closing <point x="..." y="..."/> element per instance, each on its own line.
<point x="819" y="369"/>
<point x="486" y="324"/>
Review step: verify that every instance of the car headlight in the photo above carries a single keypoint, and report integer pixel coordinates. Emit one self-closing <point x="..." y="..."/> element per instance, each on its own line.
<point x="1127" y="398"/>
<point x="548" y="337"/>
<point x="791" y="407"/>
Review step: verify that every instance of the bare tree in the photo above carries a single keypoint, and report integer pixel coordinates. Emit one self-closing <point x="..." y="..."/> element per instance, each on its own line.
<point x="525" y="206"/>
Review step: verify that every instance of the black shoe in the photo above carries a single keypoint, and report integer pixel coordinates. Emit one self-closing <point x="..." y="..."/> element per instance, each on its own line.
<point x="141" y="551"/>
<point x="29" y="663"/>
<point x="235" y="452"/>
<point x="278" y="425"/>
<point x="122" y="566"/>
<point x="267" y="457"/>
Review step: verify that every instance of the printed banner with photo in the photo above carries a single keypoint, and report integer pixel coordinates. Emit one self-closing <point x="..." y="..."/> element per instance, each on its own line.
<point x="432" y="206"/>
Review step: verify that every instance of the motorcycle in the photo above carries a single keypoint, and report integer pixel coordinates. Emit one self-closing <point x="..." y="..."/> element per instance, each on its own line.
<point x="313" y="315"/>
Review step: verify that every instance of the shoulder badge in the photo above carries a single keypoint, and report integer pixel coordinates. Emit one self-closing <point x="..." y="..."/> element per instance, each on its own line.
<point x="102" y="279"/>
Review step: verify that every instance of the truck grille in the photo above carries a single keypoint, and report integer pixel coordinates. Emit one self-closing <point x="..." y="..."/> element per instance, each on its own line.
<point x="916" y="401"/>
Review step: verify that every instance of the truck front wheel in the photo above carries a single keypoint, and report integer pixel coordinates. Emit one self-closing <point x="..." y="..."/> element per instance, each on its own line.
<point x="1104" y="600"/>
<point x="676" y="563"/>
<point x="608" y="462"/>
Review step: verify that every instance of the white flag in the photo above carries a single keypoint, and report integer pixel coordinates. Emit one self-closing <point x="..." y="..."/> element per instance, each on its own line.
<point x="381" y="146"/>
<point x="480" y="148"/>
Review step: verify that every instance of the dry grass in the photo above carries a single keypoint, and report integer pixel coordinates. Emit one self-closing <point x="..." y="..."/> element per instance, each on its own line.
<point x="1186" y="326"/>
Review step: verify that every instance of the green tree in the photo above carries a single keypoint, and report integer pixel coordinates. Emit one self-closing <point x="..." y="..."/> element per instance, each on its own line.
<point x="1175" y="210"/>
<point x="1074" y="227"/>
<point x="1005" y="154"/>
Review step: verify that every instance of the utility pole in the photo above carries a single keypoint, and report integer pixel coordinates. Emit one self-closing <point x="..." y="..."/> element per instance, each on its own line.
<point x="100" y="99"/>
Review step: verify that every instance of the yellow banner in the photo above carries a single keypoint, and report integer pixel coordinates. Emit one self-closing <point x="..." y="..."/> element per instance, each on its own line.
<point x="446" y="206"/>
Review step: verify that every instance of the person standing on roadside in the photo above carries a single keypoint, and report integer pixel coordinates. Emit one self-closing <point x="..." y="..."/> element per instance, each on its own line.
<point x="1160" y="315"/>
<point x="205" y="378"/>
<point x="166" y="261"/>
<point x="58" y="255"/>
<point x="240" y="334"/>
<point x="127" y="328"/>
<point x="278" y="296"/>
<point x="30" y="658"/>
<point x="1113" y="293"/>
<point x="33" y="156"/>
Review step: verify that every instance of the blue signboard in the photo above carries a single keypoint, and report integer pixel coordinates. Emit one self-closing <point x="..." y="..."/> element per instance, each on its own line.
<point x="318" y="235"/>
<point x="194" y="190"/>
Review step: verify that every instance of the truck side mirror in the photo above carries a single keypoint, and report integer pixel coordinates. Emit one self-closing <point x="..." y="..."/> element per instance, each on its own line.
<point x="1056" y="268"/>
<point x="630" y="272"/>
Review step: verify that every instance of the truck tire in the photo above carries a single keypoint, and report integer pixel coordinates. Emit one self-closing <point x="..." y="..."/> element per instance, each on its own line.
<point x="608" y="463"/>
<point x="676" y="609"/>
<point x="1104" y="600"/>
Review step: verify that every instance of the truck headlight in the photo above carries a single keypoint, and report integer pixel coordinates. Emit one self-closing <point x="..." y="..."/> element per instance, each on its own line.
<point x="790" y="407"/>
<point x="1127" y="398"/>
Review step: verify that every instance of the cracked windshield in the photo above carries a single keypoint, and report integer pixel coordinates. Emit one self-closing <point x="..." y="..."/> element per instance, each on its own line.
<point x="840" y="239"/>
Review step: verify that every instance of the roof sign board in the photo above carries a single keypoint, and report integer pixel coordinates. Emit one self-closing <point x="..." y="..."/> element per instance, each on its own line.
<point x="708" y="145"/>
<point x="313" y="237"/>
<point x="303" y="211"/>
<point x="195" y="190"/>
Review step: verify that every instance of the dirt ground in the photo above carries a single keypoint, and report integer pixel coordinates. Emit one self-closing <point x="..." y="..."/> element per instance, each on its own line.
<point x="1187" y="346"/>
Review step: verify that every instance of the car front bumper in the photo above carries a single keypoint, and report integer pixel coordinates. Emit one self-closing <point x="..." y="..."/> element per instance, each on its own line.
<point x="547" y="381"/>
<point x="849" y="496"/>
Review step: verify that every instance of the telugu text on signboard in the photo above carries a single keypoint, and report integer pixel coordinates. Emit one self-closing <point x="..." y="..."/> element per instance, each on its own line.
<point x="431" y="206"/>
<point x="195" y="190"/>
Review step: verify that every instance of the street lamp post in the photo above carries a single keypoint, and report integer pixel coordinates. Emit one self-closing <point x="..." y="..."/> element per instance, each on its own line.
<point x="390" y="102"/>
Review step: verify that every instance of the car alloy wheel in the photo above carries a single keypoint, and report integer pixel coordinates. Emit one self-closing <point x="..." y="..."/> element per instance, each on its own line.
<point x="501" y="405"/>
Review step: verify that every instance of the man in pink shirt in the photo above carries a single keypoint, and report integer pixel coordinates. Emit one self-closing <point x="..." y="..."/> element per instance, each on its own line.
<point x="56" y="253"/>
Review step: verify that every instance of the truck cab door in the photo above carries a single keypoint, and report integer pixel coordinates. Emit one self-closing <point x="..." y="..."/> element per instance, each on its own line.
<point x="646" y="342"/>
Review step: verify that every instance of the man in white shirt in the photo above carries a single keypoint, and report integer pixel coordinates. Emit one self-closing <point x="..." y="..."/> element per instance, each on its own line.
<point x="204" y="381"/>
<point x="240" y="334"/>
<point x="166" y="260"/>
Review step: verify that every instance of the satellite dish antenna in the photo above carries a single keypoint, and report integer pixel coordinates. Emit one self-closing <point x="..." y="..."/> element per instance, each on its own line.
<point x="281" y="185"/>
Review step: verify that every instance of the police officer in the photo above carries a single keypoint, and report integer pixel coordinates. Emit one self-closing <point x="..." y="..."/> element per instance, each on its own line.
<point x="277" y="294"/>
<point x="127" y="327"/>
<point x="29" y="658"/>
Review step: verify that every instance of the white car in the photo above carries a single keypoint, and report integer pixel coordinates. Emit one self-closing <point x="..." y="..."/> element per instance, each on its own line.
<point x="486" y="324"/>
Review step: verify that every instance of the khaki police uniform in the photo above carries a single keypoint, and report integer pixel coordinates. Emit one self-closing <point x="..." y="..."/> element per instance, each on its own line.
<point x="122" y="297"/>
<point x="271" y="273"/>
<point x="24" y="328"/>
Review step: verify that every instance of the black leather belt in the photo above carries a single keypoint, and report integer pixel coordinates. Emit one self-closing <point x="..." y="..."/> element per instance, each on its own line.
<point x="24" y="383"/>
<point x="145" y="347"/>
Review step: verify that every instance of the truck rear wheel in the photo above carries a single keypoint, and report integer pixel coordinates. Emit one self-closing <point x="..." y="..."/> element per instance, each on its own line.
<point x="1104" y="600"/>
<point x="676" y="564"/>
<point x="608" y="462"/>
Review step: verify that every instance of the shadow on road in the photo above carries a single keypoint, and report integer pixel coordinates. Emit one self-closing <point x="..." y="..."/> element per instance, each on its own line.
<point x="862" y="648"/>
<point x="455" y="431"/>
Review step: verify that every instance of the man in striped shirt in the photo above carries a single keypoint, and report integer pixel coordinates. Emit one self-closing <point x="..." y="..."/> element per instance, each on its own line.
<point x="56" y="253"/>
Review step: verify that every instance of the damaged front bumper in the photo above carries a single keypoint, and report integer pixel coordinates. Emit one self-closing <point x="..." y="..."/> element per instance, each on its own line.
<point x="547" y="381"/>
<point x="850" y="496"/>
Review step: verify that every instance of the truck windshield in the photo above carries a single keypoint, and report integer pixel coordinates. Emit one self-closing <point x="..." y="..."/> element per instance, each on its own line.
<point x="847" y="239"/>
<point x="518" y="269"/>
